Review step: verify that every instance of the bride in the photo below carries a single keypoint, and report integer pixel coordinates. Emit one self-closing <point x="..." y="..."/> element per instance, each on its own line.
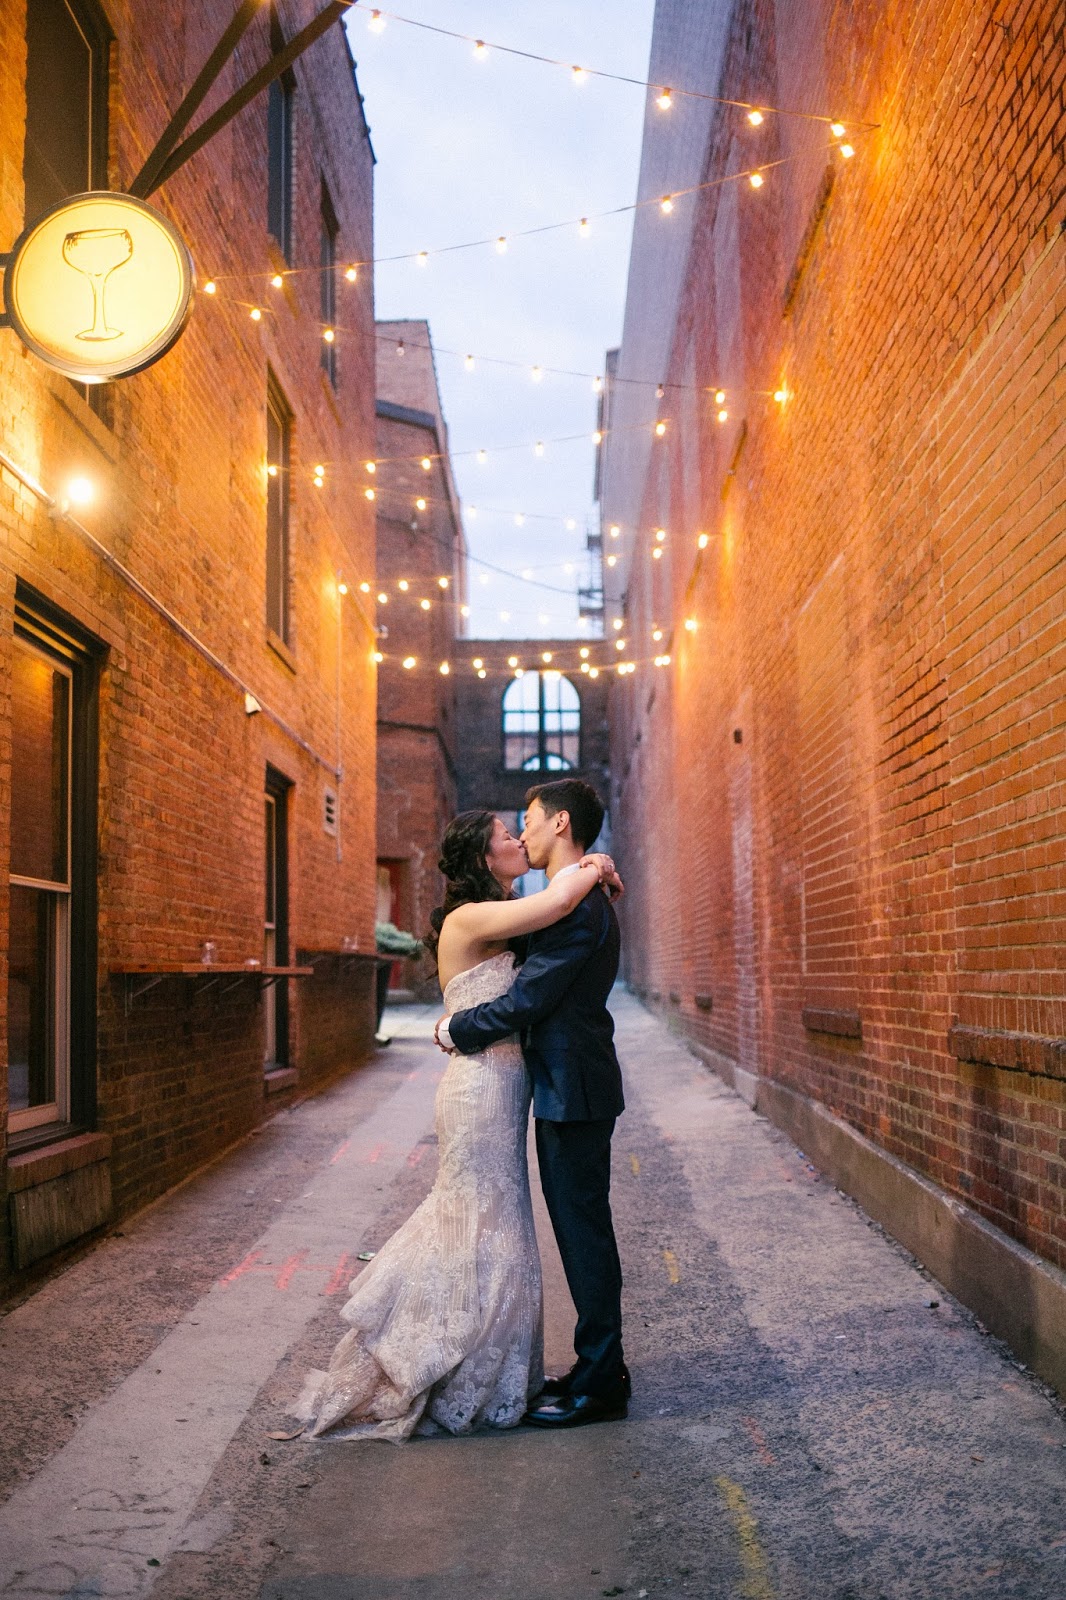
<point x="446" y="1322"/>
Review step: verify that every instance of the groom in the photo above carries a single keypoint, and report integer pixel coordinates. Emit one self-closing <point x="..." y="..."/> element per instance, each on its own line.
<point x="558" y="1004"/>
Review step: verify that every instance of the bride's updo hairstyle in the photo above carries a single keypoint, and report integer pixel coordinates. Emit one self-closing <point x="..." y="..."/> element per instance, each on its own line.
<point x="464" y="863"/>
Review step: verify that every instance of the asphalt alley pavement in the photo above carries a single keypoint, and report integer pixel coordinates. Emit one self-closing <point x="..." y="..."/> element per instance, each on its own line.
<point x="813" y="1418"/>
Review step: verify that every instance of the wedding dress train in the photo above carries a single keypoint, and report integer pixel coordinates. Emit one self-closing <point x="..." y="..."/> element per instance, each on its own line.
<point x="447" y="1320"/>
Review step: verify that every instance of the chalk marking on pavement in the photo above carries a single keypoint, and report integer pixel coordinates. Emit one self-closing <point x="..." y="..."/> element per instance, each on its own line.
<point x="634" y="1162"/>
<point x="758" y="1439"/>
<point x="672" y="1268"/>
<point x="756" y="1583"/>
<point x="121" y="1491"/>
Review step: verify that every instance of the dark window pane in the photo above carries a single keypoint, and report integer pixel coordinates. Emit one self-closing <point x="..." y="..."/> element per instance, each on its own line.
<point x="40" y="779"/>
<point x="31" y="999"/>
<point x="327" y="257"/>
<point x="271" y="861"/>
<point x="279" y="163"/>
<point x="277" y="572"/>
<point x="59" y="108"/>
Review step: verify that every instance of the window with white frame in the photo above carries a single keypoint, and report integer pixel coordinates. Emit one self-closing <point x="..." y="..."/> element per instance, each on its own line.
<point x="541" y="723"/>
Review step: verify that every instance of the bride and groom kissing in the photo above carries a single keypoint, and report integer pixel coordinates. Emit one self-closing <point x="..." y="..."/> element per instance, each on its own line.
<point x="446" y="1322"/>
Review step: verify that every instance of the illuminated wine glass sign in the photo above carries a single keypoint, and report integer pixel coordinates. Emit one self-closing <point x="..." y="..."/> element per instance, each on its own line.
<point x="100" y="286"/>
<point x="97" y="253"/>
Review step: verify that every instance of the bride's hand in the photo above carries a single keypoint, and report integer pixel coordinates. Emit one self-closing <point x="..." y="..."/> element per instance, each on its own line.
<point x="609" y="878"/>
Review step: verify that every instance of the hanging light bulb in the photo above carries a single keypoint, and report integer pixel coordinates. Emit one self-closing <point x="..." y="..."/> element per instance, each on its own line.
<point x="427" y="464"/>
<point x="837" y="129"/>
<point x="519" y="672"/>
<point x="546" y="657"/>
<point x="481" y="49"/>
<point x="329" y="335"/>
<point x="664" y="100"/>
<point x="477" y="662"/>
<point x="719" y="398"/>
<point x="464" y="611"/>
<point x="703" y="541"/>
<point x="660" y="392"/>
<point x="612" y="561"/>
<point x="210" y="287"/>
<point x="616" y="623"/>
<point x="723" y="416"/>
<point x="401" y="348"/>
<point x="597" y="384"/>
<point x="691" y="624"/>
<point x="383" y="599"/>
<point x="409" y="662"/>
<point x="614" y="530"/>
<point x="756" y="180"/>
<point x="420" y="504"/>
<point x="584" y="652"/>
<point x="351" y="272"/>
<point x="583" y="227"/>
<point x="536" y="374"/>
<point x="597" y="437"/>
<point x="444" y="669"/>
<point x="277" y="280"/>
<point x="660" y="535"/>
<point x="469" y="363"/>
<point x="371" y="466"/>
<point x="369" y="494"/>
<point x="376" y="24"/>
<point x="272" y="470"/>
<point x="425" y="605"/>
<point x="501" y="245"/>
<point x="422" y="258"/>
<point x="482" y="457"/>
<point x="481" y="672"/>
<point x="594" y="672"/>
<point x="755" y="118"/>
<point x="660" y="429"/>
<point x="570" y="525"/>
<point x="255" y="314"/>
<point x="666" y="204"/>
<point x="403" y="585"/>
<point x="443" y="583"/>
<point x="538" y="448"/>
<point x="657" y="552"/>
<point x="342" y="588"/>
<point x="512" y="661"/>
<point x="577" y="76"/>
<point x="378" y="657"/>
<point x="519" y="520"/>
<point x="584" y="666"/>
<point x="847" y="151"/>
<point x="781" y="395"/>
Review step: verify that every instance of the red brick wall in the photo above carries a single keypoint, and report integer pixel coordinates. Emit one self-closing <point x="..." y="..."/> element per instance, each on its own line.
<point x="880" y="606"/>
<point x="181" y="485"/>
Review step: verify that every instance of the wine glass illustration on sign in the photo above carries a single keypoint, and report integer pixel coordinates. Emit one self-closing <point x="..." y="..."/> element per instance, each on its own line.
<point x="97" y="253"/>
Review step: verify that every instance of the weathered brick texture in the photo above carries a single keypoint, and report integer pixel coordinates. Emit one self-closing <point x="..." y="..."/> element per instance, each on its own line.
<point x="848" y="801"/>
<point x="180" y="479"/>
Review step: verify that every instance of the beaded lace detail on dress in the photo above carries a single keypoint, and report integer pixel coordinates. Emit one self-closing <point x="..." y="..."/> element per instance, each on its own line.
<point x="447" y="1321"/>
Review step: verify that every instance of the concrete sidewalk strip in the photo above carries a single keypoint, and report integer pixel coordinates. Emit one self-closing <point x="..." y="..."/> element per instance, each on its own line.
<point x="118" y="1495"/>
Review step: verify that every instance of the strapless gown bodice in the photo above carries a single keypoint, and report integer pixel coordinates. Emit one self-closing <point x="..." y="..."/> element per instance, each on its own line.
<point x="446" y="1322"/>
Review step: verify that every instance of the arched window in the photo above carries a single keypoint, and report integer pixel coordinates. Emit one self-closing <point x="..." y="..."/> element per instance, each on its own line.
<point x="541" y="724"/>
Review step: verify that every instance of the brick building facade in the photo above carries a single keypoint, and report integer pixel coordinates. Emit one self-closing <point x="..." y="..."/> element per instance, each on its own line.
<point x="840" y="813"/>
<point x="420" y="586"/>
<point x="517" y="731"/>
<point x="181" y="668"/>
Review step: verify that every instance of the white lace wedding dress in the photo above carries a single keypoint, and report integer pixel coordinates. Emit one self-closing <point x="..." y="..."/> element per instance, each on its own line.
<point x="447" y="1320"/>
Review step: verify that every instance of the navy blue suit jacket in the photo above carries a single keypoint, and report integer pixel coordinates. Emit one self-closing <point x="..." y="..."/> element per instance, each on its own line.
<point x="557" y="1004"/>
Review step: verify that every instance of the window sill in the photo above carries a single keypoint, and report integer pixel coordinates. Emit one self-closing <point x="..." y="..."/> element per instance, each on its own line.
<point x="55" y="1160"/>
<point x="280" y="1078"/>
<point x="276" y="643"/>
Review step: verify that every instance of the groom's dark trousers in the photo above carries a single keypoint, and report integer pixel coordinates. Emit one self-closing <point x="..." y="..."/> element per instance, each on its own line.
<point x="558" y="1005"/>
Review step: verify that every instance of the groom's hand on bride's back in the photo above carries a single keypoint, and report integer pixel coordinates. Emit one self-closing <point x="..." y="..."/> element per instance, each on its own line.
<point x="449" y="1048"/>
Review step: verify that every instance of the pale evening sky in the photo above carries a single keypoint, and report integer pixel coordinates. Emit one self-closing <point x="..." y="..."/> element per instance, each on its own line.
<point x="472" y="148"/>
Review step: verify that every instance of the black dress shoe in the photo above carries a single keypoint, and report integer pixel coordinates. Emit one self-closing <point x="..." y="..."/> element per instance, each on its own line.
<point x="578" y="1410"/>
<point x="563" y="1383"/>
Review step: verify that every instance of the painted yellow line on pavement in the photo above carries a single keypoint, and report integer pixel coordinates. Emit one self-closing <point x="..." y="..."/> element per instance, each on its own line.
<point x="635" y="1164"/>
<point x="672" y="1268"/>
<point x="755" y="1584"/>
